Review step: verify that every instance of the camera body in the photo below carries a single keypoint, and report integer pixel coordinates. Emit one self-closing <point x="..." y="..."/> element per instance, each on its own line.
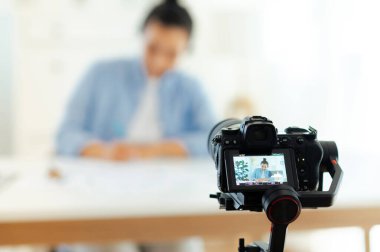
<point x="259" y="169"/>
<point x="250" y="158"/>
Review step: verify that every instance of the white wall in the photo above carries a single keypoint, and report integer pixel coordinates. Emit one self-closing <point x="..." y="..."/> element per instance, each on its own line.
<point x="5" y="78"/>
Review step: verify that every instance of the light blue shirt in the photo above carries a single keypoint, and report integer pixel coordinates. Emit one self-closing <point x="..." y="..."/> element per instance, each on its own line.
<point x="105" y="101"/>
<point x="259" y="173"/>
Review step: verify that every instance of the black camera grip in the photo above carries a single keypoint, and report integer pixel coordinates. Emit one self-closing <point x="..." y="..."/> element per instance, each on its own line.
<point x="313" y="199"/>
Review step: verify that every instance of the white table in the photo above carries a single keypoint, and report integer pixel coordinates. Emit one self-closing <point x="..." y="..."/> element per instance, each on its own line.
<point x="158" y="200"/>
<point x="92" y="189"/>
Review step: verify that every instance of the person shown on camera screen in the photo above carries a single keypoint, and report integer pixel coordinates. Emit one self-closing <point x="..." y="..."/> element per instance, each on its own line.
<point x="141" y="107"/>
<point x="262" y="174"/>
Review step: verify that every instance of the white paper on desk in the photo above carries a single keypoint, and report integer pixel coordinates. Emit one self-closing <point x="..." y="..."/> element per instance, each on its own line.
<point x="133" y="179"/>
<point x="93" y="189"/>
<point x="7" y="177"/>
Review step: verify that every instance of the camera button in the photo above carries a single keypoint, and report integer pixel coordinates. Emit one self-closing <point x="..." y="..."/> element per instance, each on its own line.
<point x="217" y="139"/>
<point x="300" y="140"/>
<point x="284" y="140"/>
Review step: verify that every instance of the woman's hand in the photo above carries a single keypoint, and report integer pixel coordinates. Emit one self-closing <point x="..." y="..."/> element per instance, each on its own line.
<point x="121" y="151"/>
<point x="117" y="151"/>
<point x="168" y="148"/>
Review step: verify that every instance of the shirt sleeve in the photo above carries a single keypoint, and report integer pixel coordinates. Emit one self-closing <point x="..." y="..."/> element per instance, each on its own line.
<point x="74" y="132"/>
<point x="253" y="175"/>
<point x="200" y="119"/>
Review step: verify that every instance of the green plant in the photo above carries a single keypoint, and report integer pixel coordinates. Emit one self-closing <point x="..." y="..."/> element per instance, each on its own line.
<point x="241" y="170"/>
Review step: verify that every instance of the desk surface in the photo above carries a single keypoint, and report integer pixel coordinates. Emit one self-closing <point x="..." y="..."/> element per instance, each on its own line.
<point x="92" y="189"/>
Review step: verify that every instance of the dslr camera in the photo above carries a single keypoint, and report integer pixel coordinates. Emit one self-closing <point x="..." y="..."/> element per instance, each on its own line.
<point x="251" y="157"/>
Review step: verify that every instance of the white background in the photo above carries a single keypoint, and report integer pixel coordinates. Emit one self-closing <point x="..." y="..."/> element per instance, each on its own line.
<point x="298" y="62"/>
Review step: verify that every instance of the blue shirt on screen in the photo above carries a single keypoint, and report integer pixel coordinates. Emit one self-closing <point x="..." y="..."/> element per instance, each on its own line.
<point x="260" y="173"/>
<point x="105" y="101"/>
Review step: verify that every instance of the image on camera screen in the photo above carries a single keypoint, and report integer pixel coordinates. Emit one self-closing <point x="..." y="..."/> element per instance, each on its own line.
<point x="260" y="170"/>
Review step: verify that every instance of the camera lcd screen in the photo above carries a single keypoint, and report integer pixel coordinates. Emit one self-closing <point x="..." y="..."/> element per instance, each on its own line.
<point x="260" y="170"/>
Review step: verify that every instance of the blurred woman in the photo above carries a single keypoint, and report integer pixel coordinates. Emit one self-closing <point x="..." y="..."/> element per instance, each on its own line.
<point x="140" y="107"/>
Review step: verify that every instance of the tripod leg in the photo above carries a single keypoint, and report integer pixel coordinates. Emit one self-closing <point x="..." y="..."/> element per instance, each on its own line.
<point x="282" y="206"/>
<point x="277" y="237"/>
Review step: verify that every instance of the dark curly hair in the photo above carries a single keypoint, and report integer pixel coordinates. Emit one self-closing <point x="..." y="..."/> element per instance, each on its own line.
<point x="170" y="13"/>
<point x="265" y="161"/>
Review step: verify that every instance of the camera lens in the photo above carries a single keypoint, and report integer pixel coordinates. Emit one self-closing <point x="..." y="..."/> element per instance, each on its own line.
<point x="216" y="130"/>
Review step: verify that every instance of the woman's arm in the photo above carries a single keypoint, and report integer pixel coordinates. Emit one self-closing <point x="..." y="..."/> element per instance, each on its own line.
<point x="200" y="120"/>
<point x="72" y="134"/>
